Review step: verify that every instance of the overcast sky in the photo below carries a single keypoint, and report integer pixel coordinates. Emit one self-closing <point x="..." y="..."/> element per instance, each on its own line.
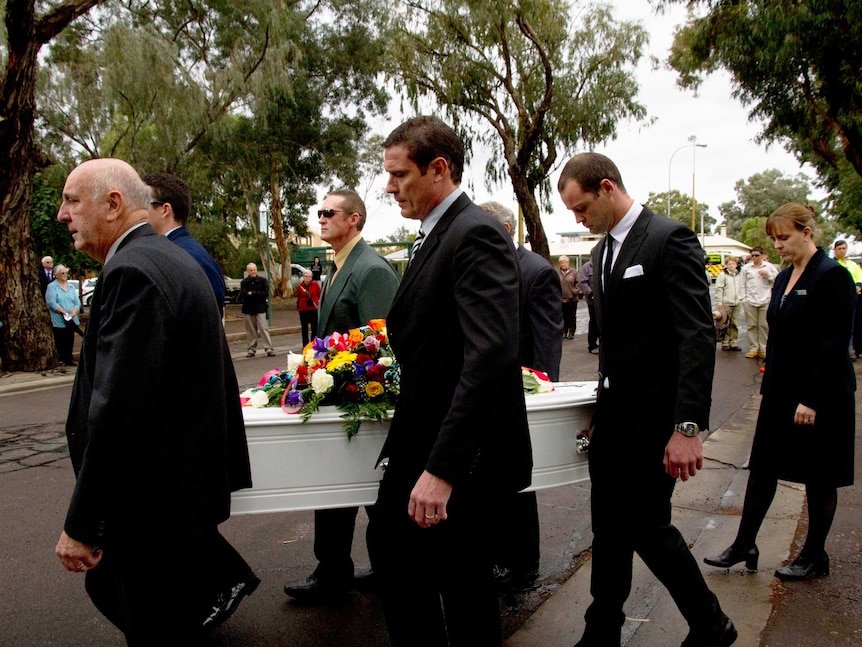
<point x="643" y="153"/>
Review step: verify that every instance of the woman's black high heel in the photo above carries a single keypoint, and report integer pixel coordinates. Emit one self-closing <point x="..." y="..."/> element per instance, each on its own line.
<point x="733" y="556"/>
<point x="803" y="568"/>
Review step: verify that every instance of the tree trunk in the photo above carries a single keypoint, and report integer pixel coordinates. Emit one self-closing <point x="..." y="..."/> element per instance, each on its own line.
<point x="530" y="208"/>
<point x="26" y="342"/>
<point x="283" y="288"/>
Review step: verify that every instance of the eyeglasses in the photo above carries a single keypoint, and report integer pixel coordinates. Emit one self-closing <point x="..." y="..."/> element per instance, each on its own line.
<point x="157" y="203"/>
<point x="755" y="255"/>
<point x="328" y="213"/>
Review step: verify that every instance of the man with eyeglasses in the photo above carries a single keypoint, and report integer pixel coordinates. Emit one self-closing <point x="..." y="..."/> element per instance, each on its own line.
<point x="169" y="211"/>
<point x="755" y="290"/>
<point x="360" y="286"/>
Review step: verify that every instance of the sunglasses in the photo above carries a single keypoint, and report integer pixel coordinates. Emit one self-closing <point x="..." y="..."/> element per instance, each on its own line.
<point x="755" y="255"/>
<point x="328" y="213"/>
<point x="157" y="203"/>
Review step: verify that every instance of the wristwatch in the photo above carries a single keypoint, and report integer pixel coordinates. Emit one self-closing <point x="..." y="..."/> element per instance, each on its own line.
<point x="687" y="429"/>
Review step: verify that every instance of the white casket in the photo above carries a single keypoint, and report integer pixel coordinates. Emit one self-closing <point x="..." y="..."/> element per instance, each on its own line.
<point x="312" y="465"/>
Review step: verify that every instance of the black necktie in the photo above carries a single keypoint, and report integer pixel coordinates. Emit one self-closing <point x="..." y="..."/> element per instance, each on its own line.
<point x="609" y="262"/>
<point x="417" y="243"/>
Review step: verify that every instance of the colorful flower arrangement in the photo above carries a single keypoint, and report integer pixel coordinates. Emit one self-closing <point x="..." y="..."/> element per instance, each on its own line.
<point x="356" y="372"/>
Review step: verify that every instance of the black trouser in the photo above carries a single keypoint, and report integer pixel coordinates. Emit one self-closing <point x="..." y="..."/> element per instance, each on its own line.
<point x="435" y="583"/>
<point x="518" y="548"/>
<point x="308" y="324"/>
<point x="163" y="595"/>
<point x="333" y="539"/>
<point x="64" y="339"/>
<point x="631" y="513"/>
<point x="570" y="310"/>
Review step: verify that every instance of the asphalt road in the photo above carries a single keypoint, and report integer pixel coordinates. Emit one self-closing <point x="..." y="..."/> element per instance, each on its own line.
<point x="42" y="604"/>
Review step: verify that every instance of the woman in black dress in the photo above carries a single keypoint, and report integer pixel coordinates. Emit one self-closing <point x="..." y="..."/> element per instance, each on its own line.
<point x="806" y="427"/>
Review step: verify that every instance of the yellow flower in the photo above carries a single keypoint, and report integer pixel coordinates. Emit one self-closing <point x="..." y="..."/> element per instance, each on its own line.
<point x="340" y="360"/>
<point x="373" y="389"/>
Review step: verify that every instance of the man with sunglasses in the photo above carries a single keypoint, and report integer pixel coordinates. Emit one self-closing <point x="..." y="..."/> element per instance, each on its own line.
<point x="360" y="286"/>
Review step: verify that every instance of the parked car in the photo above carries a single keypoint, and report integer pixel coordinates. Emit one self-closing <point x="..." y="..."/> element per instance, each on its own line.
<point x="87" y="290"/>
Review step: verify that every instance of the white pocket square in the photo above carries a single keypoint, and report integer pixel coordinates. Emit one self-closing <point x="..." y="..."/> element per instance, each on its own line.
<point x="634" y="270"/>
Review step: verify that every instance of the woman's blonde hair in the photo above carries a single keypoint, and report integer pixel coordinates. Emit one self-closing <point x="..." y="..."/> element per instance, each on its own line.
<point x="798" y="215"/>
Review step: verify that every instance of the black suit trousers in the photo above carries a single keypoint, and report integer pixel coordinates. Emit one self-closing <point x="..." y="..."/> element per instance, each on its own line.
<point x="167" y="601"/>
<point x="435" y="583"/>
<point x="631" y="513"/>
<point x="333" y="540"/>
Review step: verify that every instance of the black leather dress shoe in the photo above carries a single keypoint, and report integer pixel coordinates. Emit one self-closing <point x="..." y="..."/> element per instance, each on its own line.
<point x="733" y="556"/>
<point x="723" y="634"/>
<point x="228" y="600"/>
<point x="803" y="568"/>
<point x="363" y="579"/>
<point x="317" y="590"/>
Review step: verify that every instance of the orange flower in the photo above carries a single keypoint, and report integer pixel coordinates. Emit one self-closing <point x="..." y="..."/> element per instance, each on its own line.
<point x="377" y="324"/>
<point x="356" y="335"/>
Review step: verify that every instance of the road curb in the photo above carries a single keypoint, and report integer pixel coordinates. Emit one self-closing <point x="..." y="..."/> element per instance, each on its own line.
<point x="22" y="382"/>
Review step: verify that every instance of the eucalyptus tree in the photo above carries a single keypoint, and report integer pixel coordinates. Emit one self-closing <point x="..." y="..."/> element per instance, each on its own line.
<point x="794" y="64"/>
<point x="26" y="331"/>
<point x="145" y="80"/>
<point x="760" y="195"/>
<point x="528" y="79"/>
<point x="303" y="127"/>
<point x="680" y="209"/>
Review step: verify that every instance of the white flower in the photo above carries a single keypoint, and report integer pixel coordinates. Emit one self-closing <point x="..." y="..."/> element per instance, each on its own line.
<point x="258" y="399"/>
<point x="294" y="360"/>
<point x="545" y="386"/>
<point x="385" y="361"/>
<point x="245" y="395"/>
<point x="321" y="382"/>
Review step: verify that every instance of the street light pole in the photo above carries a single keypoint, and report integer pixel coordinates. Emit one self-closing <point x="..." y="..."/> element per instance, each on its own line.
<point x="693" y="144"/>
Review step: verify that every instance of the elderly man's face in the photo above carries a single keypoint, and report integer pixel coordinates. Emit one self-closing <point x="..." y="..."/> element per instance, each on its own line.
<point x="48" y="263"/>
<point x="85" y="215"/>
<point x="252" y="270"/>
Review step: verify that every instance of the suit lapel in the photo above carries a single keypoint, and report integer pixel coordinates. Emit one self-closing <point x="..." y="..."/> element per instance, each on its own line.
<point x="432" y="241"/>
<point x="629" y="249"/>
<point x="334" y="288"/>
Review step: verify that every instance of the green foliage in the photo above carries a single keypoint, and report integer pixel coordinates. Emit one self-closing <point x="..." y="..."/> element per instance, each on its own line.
<point x="762" y="194"/>
<point x="795" y="64"/>
<point x="845" y="201"/>
<point x="51" y="238"/>
<point x="680" y="209"/>
<point x="546" y="76"/>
